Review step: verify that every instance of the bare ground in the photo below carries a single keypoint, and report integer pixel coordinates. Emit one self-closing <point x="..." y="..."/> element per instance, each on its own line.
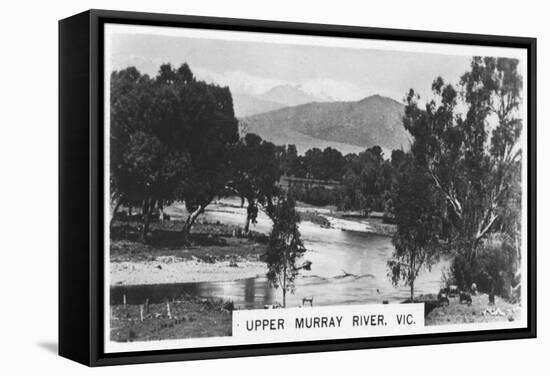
<point x="213" y="252"/>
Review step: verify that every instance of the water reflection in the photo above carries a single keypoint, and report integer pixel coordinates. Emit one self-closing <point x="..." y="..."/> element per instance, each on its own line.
<point x="348" y="268"/>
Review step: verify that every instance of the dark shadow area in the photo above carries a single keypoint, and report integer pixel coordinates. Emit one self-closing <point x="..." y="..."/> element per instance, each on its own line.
<point x="168" y="238"/>
<point x="50" y="347"/>
<point x="169" y="235"/>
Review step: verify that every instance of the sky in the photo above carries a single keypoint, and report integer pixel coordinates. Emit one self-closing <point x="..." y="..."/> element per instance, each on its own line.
<point x="328" y="68"/>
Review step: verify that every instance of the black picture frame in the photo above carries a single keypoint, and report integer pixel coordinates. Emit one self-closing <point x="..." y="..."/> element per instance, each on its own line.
<point x="81" y="186"/>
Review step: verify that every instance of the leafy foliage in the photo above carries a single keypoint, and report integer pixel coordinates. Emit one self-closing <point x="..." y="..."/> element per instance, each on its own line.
<point x="495" y="270"/>
<point x="367" y="181"/>
<point x="318" y="196"/>
<point x="327" y="164"/>
<point x="256" y="173"/>
<point x="168" y="136"/>
<point x="466" y="139"/>
<point x="285" y="246"/>
<point x="419" y="224"/>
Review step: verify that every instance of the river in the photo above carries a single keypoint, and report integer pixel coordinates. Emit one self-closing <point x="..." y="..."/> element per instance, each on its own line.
<point x="348" y="267"/>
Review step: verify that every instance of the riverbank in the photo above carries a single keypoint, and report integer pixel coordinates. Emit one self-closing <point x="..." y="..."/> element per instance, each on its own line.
<point x="478" y="312"/>
<point x="329" y="217"/>
<point x="314" y="217"/>
<point x="217" y="261"/>
<point x="213" y="252"/>
<point x="186" y="318"/>
<point x="175" y="270"/>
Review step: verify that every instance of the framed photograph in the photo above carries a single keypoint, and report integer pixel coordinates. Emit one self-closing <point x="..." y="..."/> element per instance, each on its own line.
<point x="236" y="187"/>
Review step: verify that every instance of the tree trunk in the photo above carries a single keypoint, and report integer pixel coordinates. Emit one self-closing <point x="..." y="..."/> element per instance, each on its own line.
<point x="412" y="291"/>
<point x="146" y="218"/>
<point x="247" y="224"/>
<point x="191" y="218"/>
<point x="269" y="207"/>
<point x="242" y="202"/>
<point x="284" y="286"/>
<point x="248" y="216"/>
<point x="471" y="259"/>
<point x="161" y="211"/>
<point x="130" y="211"/>
<point x="115" y="210"/>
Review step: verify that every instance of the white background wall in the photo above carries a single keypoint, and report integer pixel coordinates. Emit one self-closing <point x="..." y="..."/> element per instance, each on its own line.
<point x="28" y="173"/>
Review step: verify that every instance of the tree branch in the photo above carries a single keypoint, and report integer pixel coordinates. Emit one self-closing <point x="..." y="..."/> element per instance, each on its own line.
<point x="457" y="207"/>
<point x="483" y="232"/>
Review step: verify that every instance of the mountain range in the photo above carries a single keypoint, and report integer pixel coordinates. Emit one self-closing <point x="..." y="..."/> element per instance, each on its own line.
<point x="279" y="96"/>
<point x="350" y="126"/>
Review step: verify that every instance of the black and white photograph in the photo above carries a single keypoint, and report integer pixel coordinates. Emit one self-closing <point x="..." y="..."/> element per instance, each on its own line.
<point x="275" y="188"/>
<point x="305" y="180"/>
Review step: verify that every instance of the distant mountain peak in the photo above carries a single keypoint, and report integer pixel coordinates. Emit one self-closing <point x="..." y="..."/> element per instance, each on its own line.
<point x="378" y="97"/>
<point x="290" y="95"/>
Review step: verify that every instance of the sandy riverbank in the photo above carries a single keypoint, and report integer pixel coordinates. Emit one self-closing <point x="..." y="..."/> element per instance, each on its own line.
<point x="212" y="253"/>
<point x="171" y="269"/>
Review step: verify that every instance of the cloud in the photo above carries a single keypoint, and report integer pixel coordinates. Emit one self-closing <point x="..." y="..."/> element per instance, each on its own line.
<point x="333" y="90"/>
<point x="239" y="81"/>
<point x="242" y="82"/>
<point x="246" y="83"/>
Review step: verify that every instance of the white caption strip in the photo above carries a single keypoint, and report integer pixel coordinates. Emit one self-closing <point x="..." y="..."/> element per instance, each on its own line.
<point x="330" y="322"/>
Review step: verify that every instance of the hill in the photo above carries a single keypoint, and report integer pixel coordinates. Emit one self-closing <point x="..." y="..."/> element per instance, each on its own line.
<point x="347" y="126"/>
<point x="280" y="96"/>
<point x="246" y="105"/>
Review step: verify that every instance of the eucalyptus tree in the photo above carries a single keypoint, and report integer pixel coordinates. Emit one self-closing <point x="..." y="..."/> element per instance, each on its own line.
<point x="417" y="214"/>
<point x="285" y="247"/>
<point x="467" y="141"/>
<point x="170" y="139"/>
<point x="256" y="173"/>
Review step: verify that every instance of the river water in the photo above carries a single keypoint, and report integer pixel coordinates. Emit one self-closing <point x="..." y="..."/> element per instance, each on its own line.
<point x="348" y="267"/>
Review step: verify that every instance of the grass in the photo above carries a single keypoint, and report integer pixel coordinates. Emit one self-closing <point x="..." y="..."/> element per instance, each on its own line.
<point x="456" y="313"/>
<point x="208" y="242"/>
<point x="189" y="318"/>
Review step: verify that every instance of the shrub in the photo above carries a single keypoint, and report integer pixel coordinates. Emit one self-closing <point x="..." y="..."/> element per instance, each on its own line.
<point x="228" y="306"/>
<point x="493" y="269"/>
<point x="317" y="196"/>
